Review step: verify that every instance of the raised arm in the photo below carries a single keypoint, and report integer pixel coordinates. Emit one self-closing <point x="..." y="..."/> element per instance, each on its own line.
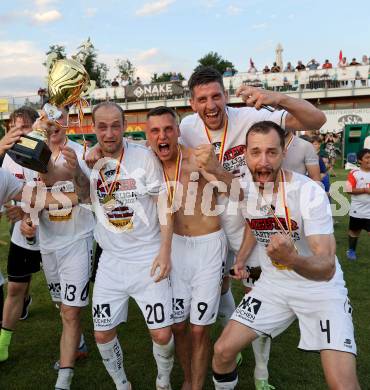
<point x="302" y="115"/>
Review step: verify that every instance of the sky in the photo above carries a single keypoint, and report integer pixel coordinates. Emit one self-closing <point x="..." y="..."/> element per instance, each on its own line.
<point x="171" y="35"/>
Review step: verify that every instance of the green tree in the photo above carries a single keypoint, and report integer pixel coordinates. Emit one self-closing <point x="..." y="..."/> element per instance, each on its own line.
<point x="126" y="69"/>
<point x="59" y="50"/>
<point x="216" y="61"/>
<point x="97" y="71"/>
<point x="165" y="77"/>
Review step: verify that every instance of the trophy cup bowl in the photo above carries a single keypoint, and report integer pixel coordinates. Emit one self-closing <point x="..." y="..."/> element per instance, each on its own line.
<point x="67" y="82"/>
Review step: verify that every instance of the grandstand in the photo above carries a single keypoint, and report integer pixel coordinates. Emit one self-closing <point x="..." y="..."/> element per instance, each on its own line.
<point x="343" y="93"/>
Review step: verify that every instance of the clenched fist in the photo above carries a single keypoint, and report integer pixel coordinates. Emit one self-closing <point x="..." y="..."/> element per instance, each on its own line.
<point x="206" y="158"/>
<point x="281" y="250"/>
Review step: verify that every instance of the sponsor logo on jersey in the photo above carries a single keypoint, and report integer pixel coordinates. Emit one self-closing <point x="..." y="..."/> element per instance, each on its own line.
<point x="124" y="195"/>
<point x="233" y="158"/>
<point x="264" y="228"/>
<point x="269" y="223"/>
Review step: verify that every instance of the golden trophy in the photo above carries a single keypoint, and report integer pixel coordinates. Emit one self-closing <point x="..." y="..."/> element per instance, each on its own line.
<point x="68" y="81"/>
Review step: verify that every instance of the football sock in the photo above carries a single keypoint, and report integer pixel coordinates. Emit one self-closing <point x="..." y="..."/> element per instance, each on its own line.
<point x="5" y="338"/>
<point x="261" y="348"/>
<point x="64" y="380"/>
<point x="352" y="242"/>
<point x="164" y="357"/>
<point x="226" y="307"/>
<point x="112" y="356"/>
<point x="225" y="381"/>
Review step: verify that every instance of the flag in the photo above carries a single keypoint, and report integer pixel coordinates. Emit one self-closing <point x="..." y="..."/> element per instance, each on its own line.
<point x="340" y="56"/>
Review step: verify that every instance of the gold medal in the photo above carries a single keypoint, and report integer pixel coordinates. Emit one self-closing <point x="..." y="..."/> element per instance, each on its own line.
<point x="109" y="202"/>
<point x="108" y="198"/>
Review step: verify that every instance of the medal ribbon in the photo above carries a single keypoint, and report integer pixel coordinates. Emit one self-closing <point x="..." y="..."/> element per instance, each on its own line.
<point x="60" y="152"/>
<point x="287" y="218"/>
<point x="109" y="188"/>
<point x="289" y="142"/>
<point x="170" y="190"/>
<point x="223" y="140"/>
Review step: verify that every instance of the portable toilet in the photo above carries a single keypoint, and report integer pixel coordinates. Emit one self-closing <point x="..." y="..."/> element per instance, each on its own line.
<point x="354" y="137"/>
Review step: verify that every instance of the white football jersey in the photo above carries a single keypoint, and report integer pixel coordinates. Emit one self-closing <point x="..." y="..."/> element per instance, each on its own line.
<point x="193" y="133"/>
<point x="60" y="228"/>
<point x="310" y="214"/>
<point x="127" y="218"/>
<point x="360" y="204"/>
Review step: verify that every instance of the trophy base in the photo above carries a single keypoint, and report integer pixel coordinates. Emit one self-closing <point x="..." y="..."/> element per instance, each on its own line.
<point x="31" y="153"/>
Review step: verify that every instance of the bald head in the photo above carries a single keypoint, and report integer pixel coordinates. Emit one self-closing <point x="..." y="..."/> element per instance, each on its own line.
<point x="108" y="106"/>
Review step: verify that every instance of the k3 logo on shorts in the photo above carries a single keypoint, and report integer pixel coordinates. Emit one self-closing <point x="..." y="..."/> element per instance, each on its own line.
<point x="102" y="311"/>
<point x="178" y="308"/>
<point x="248" y="308"/>
<point x="55" y="290"/>
<point x="177" y="304"/>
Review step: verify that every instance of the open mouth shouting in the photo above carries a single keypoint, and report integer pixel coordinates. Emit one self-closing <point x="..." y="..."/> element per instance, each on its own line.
<point x="164" y="149"/>
<point x="213" y="119"/>
<point x="264" y="176"/>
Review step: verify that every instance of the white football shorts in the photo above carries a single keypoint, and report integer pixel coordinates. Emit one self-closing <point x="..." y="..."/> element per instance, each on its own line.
<point x="118" y="280"/>
<point x="68" y="272"/>
<point x="324" y="315"/>
<point x="198" y="265"/>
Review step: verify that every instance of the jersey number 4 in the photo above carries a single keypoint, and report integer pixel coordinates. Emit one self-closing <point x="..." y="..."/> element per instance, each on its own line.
<point x="326" y="330"/>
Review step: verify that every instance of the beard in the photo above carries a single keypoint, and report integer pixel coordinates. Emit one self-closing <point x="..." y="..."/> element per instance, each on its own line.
<point x="265" y="177"/>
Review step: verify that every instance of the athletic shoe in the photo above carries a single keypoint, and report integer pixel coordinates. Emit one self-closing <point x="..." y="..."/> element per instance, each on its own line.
<point x="81" y="354"/>
<point x="239" y="359"/>
<point x="351" y="255"/>
<point x="26" y="308"/>
<point x="4" y="353"/>
<point x="263" y="384"/>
